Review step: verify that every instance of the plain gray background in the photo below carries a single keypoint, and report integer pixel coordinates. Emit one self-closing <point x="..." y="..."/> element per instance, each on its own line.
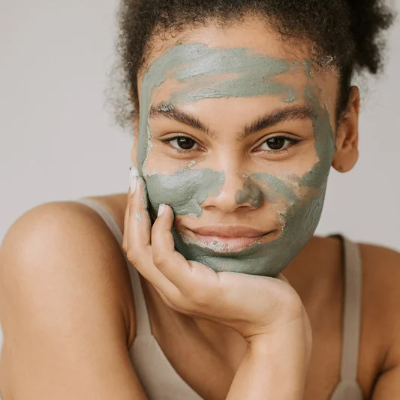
<point x="57" y="141"/>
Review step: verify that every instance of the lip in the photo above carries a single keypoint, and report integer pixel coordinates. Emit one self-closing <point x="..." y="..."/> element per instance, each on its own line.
<point x="229" y="231"/>
<point x="227" y="238"/>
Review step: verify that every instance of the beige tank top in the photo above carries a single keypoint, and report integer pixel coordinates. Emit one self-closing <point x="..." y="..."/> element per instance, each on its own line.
<point x="159" y="379"/>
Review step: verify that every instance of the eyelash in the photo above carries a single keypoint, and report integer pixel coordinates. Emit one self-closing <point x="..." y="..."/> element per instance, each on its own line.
<point x="176" y="149"/>
<point x="289" y="139"/>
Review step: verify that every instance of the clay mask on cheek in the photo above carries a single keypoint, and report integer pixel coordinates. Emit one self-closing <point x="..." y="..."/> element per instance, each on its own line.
<point x="202" y="73"/>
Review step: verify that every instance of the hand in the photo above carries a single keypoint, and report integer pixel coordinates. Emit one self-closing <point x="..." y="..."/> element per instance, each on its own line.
<point x="252" y="305"/>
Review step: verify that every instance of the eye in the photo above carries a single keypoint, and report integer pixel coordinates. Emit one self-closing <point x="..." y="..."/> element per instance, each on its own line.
<point x="277" y="143"/>
<point x="181" y="143"/>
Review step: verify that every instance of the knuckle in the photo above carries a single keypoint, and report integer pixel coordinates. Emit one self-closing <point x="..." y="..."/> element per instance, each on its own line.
<point x="290" y="304"/>
<point x="159" y="259"/>
<point x="132" y="255"/>
<point x="199" y="298"/>
<point x="179" y="303"/>
<point x="295" y="305"/>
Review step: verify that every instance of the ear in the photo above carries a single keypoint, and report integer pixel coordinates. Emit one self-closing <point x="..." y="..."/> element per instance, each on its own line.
<point x="346" y="154"/>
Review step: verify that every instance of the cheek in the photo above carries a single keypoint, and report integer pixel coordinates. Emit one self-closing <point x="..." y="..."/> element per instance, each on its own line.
<point x="288" y="196"/>
<point x="161" y="160"/>
<point x="276" y="190"/>
<point x="184" y="190"/>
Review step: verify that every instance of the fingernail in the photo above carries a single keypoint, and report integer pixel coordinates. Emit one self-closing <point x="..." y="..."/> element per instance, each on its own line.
<point x="161" y="209"/>
<point x="133" y="171"/>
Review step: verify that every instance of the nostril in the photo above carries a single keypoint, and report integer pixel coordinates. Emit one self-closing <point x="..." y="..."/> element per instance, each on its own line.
<point x="238" y="191"/>
<point x="250" y="194"/>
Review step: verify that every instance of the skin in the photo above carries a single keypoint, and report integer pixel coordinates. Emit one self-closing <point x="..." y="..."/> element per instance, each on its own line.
<point x="272" y="321"/>
<point x="59" y="259"/>
<point x="290" y="202"/>
<point x="302" y="165"/>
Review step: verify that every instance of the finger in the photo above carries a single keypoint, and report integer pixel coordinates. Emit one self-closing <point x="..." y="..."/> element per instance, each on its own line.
<point x="139" y="248"/>
<point x="132" y="173"/>
<point x="139" y="219"/>
<point x="281" y="277"/>
<point x="137" y="227"/>
<point x="189" y="277"/>
<point x="162" y="236"/>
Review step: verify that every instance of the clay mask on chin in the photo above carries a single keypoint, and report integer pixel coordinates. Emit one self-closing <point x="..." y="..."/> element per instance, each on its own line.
<point x="203" y="73"/>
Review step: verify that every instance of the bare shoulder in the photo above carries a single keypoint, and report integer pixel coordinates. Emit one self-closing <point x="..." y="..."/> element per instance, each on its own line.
<point x="381" y="266"/>
<point x="64" y="229"/>
<point x="381" y="297"/>
<point x="64" y="291"/>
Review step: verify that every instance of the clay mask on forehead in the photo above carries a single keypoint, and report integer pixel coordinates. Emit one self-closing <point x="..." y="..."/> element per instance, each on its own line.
<point x="202" y="73"/>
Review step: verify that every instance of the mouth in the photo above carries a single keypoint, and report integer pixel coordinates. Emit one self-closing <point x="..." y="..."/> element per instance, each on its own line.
<point x="227" y="238"/>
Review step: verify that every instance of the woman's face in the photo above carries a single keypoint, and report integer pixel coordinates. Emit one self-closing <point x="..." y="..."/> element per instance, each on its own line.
<point x="236" y="134"/>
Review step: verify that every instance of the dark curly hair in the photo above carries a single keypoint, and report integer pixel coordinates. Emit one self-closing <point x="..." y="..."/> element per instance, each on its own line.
<point x="347" y="32"/>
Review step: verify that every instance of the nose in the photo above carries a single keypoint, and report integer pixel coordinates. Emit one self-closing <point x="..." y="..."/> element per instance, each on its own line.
<point x="239" y="191"/>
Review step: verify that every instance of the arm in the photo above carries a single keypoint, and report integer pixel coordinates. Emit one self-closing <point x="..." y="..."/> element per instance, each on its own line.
<point x="382" y="268"/>
<point x="387" y="383"/>
<point x="63" y="309"/>
<point x="387" y="386"/>
<point x="275" y="366"/>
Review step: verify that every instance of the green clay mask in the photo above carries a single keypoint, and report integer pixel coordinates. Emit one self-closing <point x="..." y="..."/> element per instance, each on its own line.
<point x="201" y="73"/>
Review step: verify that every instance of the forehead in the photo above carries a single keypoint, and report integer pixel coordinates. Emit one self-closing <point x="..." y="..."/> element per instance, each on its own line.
<point x="252" y="34"/>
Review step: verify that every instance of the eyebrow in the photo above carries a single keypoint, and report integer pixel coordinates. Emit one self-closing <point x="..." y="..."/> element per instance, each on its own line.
<point x="284" y="114"/>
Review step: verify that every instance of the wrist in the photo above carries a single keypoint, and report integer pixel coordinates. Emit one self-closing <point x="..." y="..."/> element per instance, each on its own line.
<point x="275" y="366"/>
<point x="294" y="337"/>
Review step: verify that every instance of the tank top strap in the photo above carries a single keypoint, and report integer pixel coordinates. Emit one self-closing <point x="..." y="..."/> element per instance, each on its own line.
<point x="352" y="309"/>
<point x="142" y="318"/>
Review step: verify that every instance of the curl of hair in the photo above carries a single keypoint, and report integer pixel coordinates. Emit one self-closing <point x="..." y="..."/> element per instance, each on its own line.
<point x="347" y="32"/>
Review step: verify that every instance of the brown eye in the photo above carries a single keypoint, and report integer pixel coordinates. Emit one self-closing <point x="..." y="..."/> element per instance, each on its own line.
<point x="182" y="143"/>
<point x="185" y="143"/>
<point x="277" y="143"/>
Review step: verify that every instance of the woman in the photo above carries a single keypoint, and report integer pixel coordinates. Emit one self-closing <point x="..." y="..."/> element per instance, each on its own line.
<point x="176" y="291"/>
